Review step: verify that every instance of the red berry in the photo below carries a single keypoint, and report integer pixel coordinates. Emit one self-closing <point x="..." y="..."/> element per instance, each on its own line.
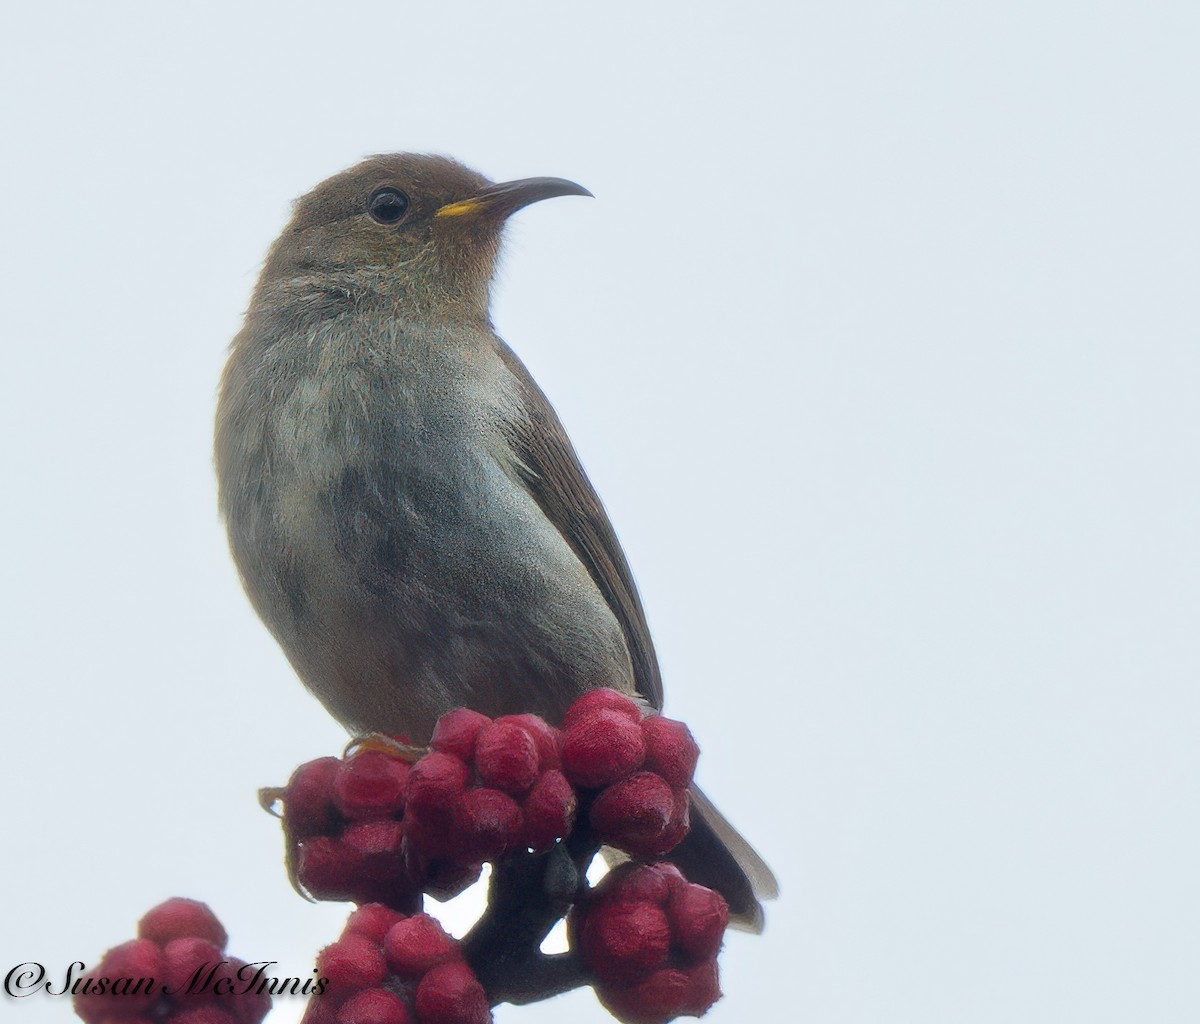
<point x="648" y="883"/>
<point x="128" y="995"/>
<point x="202" y="1015"/>
<point x="681" y="821"/>
<point x="451" y="994"/>
<point x="549" y="811"/>
<point x="602" y="747"/>
<point x="326" y="869"/>
<point x="625" y="941"/>
<point x="321" y="1010"/>
<point x="506" y="757"/>
<point x="547" y="738"/>
<point x="698" y="919"/>
<point x="418" y="944"/>
<point x="375" y="1006"/>
<point x="670" y="750"/>
<point x="374" y="847"/>
<point x="186" y="963"/>
<point x="489" y="823"/>
<point x="308" y="800"/>
<point x="425" y="837"/>
<point x="135" y="960"/>
<point x="603" y="699"/>
<point x="370" y="785"/>
<point x="353" y="962"/>
<point x="634" y="814"/>
<point x="372" y="921"/>
<point x="250" y="1001"/>
<point x="703" y="988"/>
<point x="442" y="878"/>
<point x="181" y="918"/>
<point x="664" y="995"/>
<point x="456" y="733"/>
<point x="434" y="783"/>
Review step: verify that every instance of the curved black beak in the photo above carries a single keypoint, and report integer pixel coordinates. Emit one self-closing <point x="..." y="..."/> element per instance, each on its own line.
<point x="510" y="196"/>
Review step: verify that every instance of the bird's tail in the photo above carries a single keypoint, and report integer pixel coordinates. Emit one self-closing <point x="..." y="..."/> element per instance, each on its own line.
<point x="715" y="855"/>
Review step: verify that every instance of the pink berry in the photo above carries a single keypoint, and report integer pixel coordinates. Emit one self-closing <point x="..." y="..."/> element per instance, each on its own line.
<point x="670" y="750"/>
<point x="186" y="963"/>
<point x="456" y="733"/>
<point x="353" y="962"/>
<point x="418" y="944"/>
<point x="370" y="785"/>
<point x="549" y="811"/>
<point x="372" y="921"/>
<point x="625" y="941"/>
<point x="321" y="1010"/>
<point x="308" y="800"/>
<point x="681" y="822"/>
<point x="426" y="842"/>
<point x="181" y="918"/>
<point x="374" y="847"/>
<point x="374" y="1006"/>
<point x="634" y="814"/>
<point x="602" y="699"/>
<point x="664" y="995"/>
<point x="202" y="1015"/>
<point x="698" y="919"/>
<point x="251" y="1001"/>
<point x="326" y="869"/>
<point x="434" y="783"/>
<point x="506" y="757"/>
<point x="126" y="965"/>
<point x="137" y="958"/>
<point x="547" y="738"/>
<point x="489" y="823"/>
<point x="601" y="748"/>
<point x="451" y="994"/>
<point x="703" y="988"/>
<point x="442" y="879"/>
<point x="648" y="883"/>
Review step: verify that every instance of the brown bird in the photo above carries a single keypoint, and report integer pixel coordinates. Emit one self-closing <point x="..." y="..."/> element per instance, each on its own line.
<point x="404" y="507"/>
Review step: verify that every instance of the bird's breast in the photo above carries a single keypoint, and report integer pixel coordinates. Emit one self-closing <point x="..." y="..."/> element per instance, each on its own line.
<point x="394" y="555"/>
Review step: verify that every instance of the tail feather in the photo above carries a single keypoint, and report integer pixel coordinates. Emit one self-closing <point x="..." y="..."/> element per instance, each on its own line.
<point x="715" y="855"/>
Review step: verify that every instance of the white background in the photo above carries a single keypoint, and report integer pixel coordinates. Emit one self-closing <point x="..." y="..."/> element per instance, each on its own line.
<point x="882" y="343"/>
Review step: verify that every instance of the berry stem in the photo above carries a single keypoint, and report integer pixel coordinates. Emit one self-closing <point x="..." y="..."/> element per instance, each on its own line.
<point x="527" y="896"/>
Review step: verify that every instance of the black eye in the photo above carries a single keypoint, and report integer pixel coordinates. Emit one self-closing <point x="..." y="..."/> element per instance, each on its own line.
<point x="387" y="205"/>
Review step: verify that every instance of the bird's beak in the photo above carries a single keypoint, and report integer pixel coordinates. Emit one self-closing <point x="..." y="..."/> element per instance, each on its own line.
<point x="507" y="198"/>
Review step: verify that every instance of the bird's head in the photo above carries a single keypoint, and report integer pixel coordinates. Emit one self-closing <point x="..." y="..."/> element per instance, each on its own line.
<point x="422" y="229"/>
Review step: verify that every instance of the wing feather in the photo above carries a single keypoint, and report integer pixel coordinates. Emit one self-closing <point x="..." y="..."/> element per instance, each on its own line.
<point x="547" y="465"/>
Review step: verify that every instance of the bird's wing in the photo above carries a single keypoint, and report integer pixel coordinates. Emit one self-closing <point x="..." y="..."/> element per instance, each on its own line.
<point x="548" y="466"/>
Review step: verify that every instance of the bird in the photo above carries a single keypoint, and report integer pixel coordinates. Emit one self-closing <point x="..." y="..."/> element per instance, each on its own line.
<point x="404" y="507"/>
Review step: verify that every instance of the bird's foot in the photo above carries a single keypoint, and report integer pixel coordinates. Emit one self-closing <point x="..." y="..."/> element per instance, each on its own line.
<point x="394" y="746"/>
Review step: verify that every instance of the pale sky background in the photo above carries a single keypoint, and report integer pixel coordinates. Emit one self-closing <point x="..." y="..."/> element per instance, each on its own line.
<point x="881" y="342"/>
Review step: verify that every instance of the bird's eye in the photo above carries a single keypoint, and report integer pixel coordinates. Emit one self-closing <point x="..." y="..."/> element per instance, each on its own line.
<point x="387" y="205"/>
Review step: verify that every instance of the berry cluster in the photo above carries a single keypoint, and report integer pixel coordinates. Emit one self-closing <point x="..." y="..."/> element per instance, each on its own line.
<point x="391" y="969"/>
<point x="374" y="828"/>
<point x="640" y="766"/>
<point x="174" y="972"/>
<point x="485" y="789"/>
<point x="387" y="823"/>
<point x="650" y="939"/>
<point x="343" y="820"/>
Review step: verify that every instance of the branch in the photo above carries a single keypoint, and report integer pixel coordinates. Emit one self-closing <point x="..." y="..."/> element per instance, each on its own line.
<point x="527" y="896"/>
